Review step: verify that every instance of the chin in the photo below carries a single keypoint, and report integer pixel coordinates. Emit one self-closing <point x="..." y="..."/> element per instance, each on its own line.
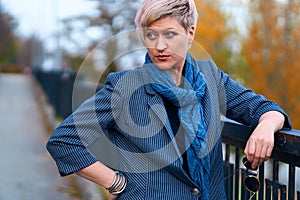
<point x="163" y="67"/>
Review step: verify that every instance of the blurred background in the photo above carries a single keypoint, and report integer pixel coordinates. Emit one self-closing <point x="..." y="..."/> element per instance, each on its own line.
<point x="256" y="41"/>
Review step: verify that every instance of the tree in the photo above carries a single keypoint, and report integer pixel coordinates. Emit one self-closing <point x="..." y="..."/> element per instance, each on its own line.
<point x="213" y="34"/>
<point x="8" y="42"/>
<point x="31" y="52"/>
<point x="272" y="52"/>
<point x="114" y="16"/>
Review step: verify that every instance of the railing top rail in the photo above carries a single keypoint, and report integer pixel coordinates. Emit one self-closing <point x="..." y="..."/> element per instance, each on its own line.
<point x="287" y="141"/>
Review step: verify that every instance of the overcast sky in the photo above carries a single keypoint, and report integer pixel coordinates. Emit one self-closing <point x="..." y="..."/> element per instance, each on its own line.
<point x="40" y="16"/>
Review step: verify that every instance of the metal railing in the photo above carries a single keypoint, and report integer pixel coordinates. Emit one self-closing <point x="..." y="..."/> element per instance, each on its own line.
<point x="286" y="150"/>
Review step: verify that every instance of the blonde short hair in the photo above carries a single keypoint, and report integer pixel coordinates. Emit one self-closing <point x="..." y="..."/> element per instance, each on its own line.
<point x="184" y="11"/>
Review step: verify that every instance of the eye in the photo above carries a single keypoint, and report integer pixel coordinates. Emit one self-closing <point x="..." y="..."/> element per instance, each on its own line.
<point x="151" y="35"/>
<point x="170" y="34"/>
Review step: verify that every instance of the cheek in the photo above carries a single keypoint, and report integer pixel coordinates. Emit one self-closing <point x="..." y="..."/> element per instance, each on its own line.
<point x="180" y="47"/>
<point x="151" y="53"/>
<point x="149" y="45"/>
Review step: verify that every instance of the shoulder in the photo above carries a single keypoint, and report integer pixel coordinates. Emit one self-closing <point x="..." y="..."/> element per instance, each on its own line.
<point x="212" y="72"/>
<point x="209" y="66"/>
<point x="123" y="75"/>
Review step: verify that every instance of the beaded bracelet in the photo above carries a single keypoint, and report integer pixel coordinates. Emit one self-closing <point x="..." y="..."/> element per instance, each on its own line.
<point x="118" y="185"/>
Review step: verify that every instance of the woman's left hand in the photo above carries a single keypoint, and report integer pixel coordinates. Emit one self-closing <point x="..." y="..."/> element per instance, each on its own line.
<point x="261" y="142"/>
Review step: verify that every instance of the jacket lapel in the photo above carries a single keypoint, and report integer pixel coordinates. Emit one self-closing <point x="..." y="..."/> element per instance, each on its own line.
<point x="157" y="107"/>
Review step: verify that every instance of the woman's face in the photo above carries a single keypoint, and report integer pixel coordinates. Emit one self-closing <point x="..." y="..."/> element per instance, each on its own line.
<point x="167" y="42"/>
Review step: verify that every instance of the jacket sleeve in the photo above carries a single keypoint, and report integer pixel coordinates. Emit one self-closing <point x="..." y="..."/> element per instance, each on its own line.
<point x="69" y="141"/>
<point x="242" y="104"/>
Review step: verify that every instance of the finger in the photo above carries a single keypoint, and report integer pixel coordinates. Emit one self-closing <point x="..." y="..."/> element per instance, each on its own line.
<point x="269" y="152"/>
<point x="266" y="152"/>
<point x="250" y="150"/>
<point x="257" y="156"/>
<point x="246" y="150"/>
<point x="263" y="155"/>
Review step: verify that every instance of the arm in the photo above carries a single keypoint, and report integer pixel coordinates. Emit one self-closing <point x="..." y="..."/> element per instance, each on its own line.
<point x="255" y="110"/>
<point x="242" y="104"/>
<point x="251" y="109"/>
<point x="99" y="174"/>
<point x="69" y="143"/>
<point x="261" y="142"/>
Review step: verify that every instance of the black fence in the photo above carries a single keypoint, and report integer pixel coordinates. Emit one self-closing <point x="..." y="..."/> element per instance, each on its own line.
<point x="58" y="86"/>
<point x="286" y="152"/>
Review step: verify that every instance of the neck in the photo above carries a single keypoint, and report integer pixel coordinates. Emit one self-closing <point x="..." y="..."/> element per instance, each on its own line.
<point x="176" y="75"/>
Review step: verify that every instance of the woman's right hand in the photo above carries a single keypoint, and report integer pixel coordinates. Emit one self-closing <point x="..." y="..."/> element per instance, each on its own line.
<point x="113" y="196"/>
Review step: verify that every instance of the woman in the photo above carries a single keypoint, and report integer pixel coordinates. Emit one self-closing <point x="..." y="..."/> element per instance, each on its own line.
<point x="160" y="123"/>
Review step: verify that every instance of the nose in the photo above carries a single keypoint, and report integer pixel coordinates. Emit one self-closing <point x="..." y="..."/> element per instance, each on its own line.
<point x="161" y="44"/>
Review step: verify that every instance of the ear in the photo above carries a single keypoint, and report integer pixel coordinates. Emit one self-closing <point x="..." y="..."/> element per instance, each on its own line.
<point x="191" y="33"/>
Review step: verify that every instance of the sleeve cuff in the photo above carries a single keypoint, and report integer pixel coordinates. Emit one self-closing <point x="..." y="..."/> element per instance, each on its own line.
<point x="75" y="162"/>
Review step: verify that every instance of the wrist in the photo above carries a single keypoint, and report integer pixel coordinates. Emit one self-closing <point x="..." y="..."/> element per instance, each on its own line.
<point x="118" y="185"/>
<point x="274" y="120"/>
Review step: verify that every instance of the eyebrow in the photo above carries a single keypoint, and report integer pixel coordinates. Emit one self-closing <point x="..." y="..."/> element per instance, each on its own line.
<point x="160" y="29"/>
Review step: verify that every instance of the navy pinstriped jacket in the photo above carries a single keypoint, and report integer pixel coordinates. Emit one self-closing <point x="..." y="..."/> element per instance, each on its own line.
<point x="118" y="126"/>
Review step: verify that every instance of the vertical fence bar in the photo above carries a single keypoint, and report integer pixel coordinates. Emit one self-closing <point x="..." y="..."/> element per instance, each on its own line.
<point x="283" y="192"/>
<point x="261" y="181"/>
<point x="275" y="177"/>
<point x="268" y="189"/>
<point x="275" y="170"/>
<point x="228" y="182"/>
<point x="236" y="180"/>
<point x="281" y="188"/>
<point x="291" y="188"/>
<point x="227" y="153"/>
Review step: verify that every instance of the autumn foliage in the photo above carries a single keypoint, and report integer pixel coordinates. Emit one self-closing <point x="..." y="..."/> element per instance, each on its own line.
<point x="211" y="33"/>
<point x="272" y="53"/>
<point x="269" y="58"/>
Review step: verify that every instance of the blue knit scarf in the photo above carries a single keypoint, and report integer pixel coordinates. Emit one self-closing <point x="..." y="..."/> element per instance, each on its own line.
<point x="190" y="112"/>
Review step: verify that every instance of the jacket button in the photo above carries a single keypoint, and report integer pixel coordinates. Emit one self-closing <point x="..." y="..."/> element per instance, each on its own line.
<point x="196" y="191"/>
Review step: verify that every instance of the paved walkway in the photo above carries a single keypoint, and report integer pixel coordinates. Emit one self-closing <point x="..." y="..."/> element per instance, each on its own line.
<point x="26" y="170"/>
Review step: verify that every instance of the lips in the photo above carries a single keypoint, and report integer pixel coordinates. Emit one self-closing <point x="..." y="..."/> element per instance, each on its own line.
<point x="163" y="57"/>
